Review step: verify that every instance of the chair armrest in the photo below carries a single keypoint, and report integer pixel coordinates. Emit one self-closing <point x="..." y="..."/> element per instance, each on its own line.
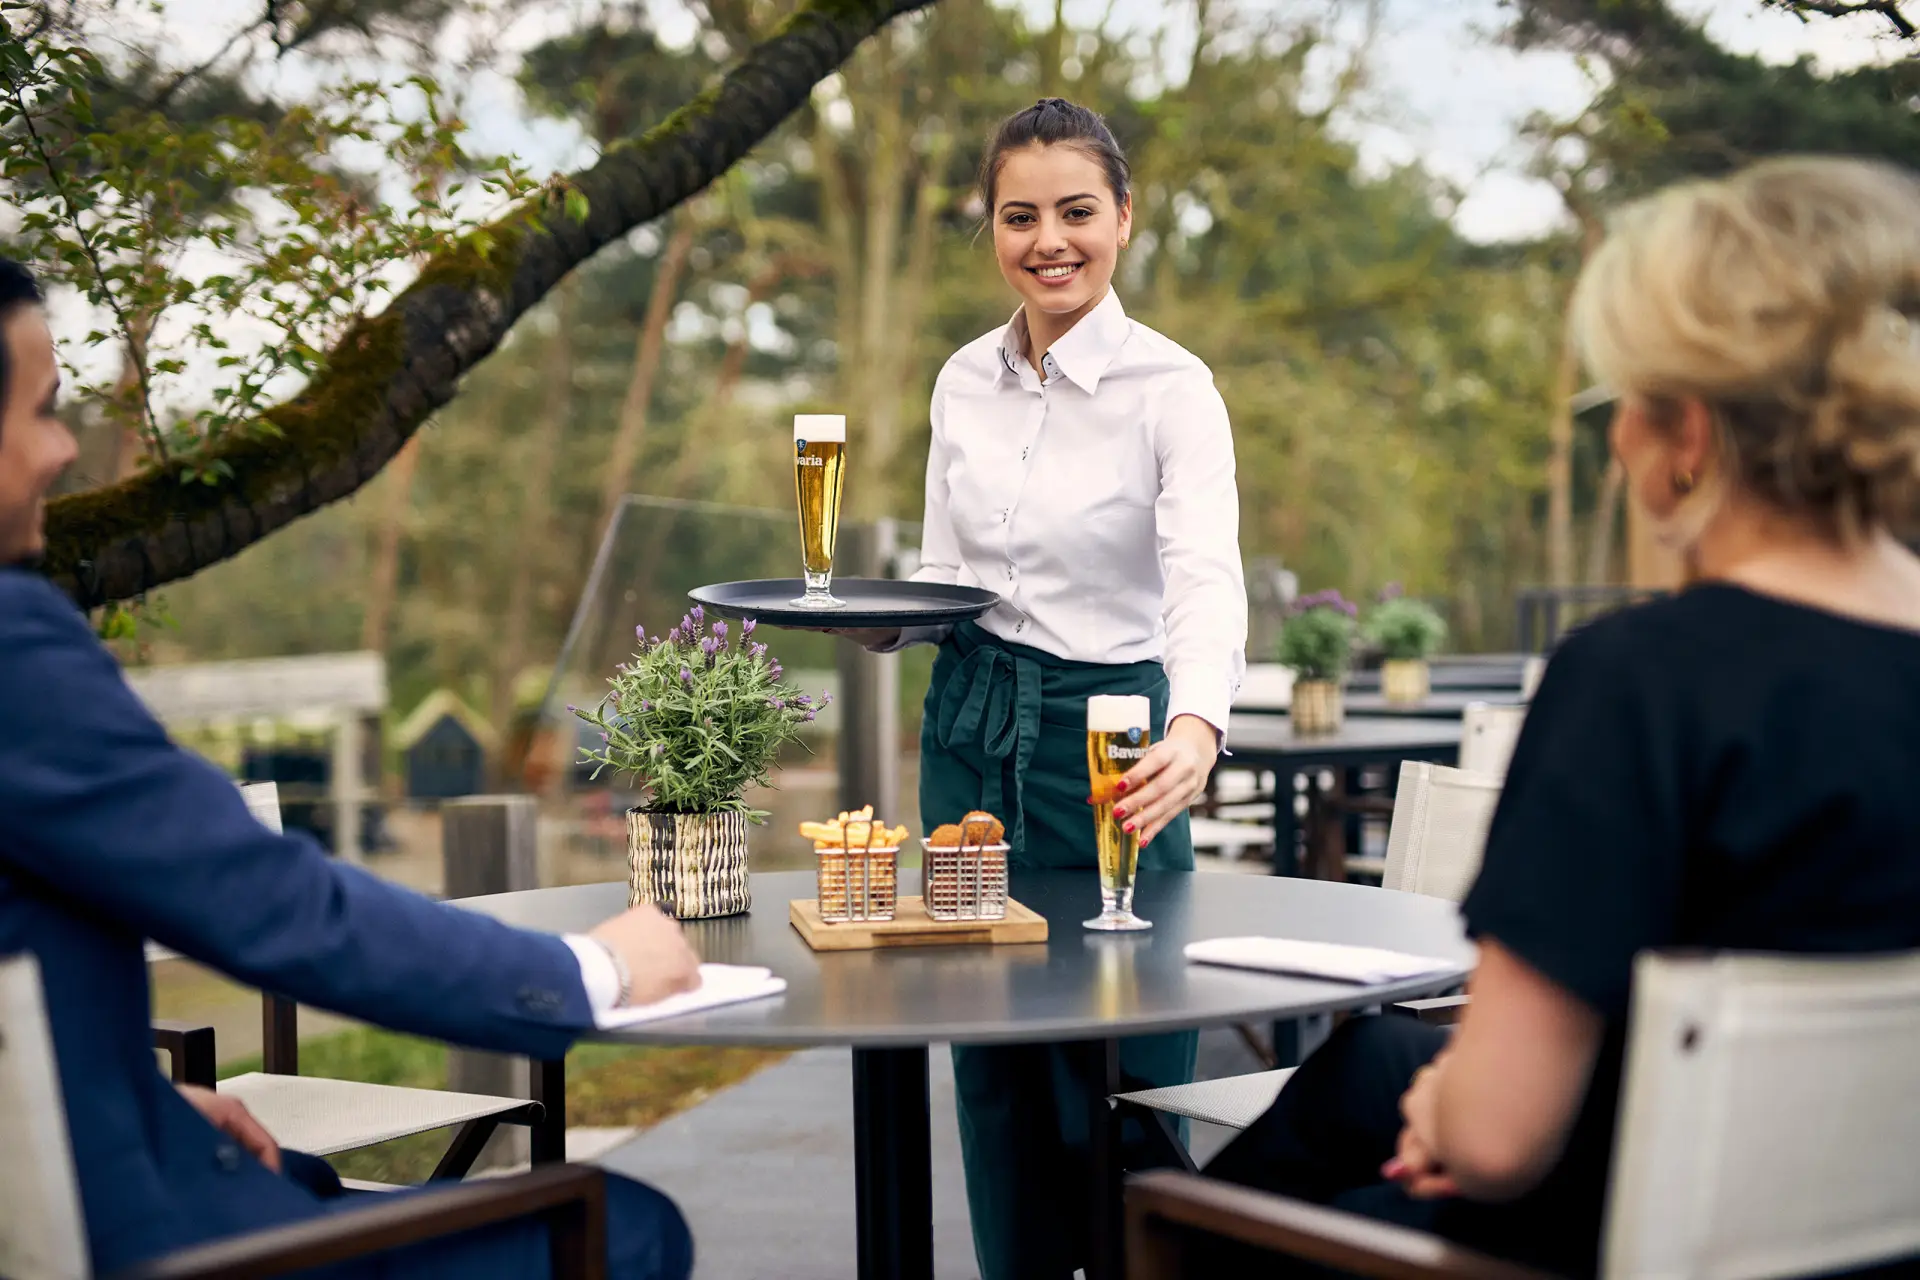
<point x="189" y="1049"/>
<point x="1440" y="1011"/>
<point x="571" y="1197"/>
<point x="1163" y="1206"/>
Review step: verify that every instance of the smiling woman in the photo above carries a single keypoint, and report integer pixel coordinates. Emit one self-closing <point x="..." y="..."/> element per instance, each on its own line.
<point x="1081" y="467"/>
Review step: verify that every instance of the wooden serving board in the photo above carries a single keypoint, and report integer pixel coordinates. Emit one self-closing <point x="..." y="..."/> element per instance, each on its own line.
<point x="911" y="926"/>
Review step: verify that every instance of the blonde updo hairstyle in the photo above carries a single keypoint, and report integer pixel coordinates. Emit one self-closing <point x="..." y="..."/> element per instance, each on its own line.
<point x="1784" y="298"/>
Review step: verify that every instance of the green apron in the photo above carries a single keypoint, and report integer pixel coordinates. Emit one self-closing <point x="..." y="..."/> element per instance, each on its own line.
<point x="1005" y="730"/>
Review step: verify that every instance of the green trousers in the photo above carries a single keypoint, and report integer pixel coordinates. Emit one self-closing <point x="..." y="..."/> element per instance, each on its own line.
<point x="1005" y="730"/>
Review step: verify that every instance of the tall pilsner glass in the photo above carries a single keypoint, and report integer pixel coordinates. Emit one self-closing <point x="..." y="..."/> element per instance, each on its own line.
<point x="819" y="469"/>
<point x="1119" y="731"/>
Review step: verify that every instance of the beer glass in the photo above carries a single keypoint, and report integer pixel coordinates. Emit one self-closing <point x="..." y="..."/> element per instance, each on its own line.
<point x="1119" y="731"/>
<point x="819" y="469"/>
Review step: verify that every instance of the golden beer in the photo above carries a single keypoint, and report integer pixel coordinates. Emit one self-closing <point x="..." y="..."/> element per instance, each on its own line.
<point x="1119" y="732"/>
<point x="819" y="471"/>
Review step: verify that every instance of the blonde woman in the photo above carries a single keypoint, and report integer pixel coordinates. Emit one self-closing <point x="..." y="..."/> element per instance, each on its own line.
<point x="1731" y="767"/>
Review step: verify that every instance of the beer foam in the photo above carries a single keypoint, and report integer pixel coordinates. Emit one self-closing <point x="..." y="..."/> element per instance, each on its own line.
<point x="1111" y="713"/>
<point x="827" y="428"/>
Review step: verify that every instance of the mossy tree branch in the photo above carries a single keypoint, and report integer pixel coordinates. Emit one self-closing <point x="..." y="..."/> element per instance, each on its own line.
<point x="391" y="371"/>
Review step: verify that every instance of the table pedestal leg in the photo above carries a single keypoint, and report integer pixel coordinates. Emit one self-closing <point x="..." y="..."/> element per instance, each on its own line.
<point x="1100" y="1069"/>
<point x="893" y="1164"/>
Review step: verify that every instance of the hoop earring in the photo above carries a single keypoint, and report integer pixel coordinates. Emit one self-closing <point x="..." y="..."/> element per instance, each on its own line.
<point x="1683" y="482"/>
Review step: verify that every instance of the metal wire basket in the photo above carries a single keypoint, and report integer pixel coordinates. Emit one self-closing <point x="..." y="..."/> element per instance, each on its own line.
<point x="857" y="884"/>
<point x="966" y="883"/>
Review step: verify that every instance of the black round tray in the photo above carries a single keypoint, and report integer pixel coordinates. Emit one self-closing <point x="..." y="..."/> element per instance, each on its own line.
<point x="870" y="602"/>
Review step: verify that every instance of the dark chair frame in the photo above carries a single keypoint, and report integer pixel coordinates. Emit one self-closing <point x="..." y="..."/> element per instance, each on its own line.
<point x="1166" y="1211"/>
<point x="570" y="1199"/>
<point x="190" y="1051"/>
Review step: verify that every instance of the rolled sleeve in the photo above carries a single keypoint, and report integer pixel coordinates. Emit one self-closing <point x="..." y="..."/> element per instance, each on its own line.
<point x="1198" y="520"/>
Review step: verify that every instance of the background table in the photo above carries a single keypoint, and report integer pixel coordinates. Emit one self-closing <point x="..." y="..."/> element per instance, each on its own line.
<point x="1078" y="986"/>
<point x="1441" y="704"/>
<point x="1268" y="742"/>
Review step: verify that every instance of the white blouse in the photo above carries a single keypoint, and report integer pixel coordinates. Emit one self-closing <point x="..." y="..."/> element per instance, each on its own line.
<point x="1097" y="498"/>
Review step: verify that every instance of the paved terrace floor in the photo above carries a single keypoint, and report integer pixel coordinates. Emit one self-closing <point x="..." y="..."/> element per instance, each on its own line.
<point x="764" y="1171"/>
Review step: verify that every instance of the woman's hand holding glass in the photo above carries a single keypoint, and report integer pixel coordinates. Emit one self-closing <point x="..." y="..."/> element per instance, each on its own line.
<point x="1171" y="776"/>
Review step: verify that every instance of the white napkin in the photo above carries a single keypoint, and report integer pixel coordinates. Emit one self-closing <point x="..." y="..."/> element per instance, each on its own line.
<point x="1343" y="963"/>
<point x="719" y="984"/>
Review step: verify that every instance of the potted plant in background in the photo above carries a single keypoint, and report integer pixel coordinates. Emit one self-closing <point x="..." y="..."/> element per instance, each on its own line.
<point x="1316" y="640"/>
<point x="1407" y="632"/>
<point x="695" y="720"/>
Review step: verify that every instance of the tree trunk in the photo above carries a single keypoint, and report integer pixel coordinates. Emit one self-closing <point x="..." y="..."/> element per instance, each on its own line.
<point x="646" y="363"/>
<point x="535" y="517"/>
<point x="1560" y="470"/>
<point x="1605" y="522"/>
<point x="391" y="371"/>
<point x="385" y="573"/>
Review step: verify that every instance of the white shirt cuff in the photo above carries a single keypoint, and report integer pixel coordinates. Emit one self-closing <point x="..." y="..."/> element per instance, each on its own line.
<point x="1207" y="694"/>
<point x="597" y="975"/>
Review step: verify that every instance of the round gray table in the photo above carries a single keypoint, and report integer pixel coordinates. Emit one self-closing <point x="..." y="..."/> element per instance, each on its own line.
<point x="890" y="1004"/>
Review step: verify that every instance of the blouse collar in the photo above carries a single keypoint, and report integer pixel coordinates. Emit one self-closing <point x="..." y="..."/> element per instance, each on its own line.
<point x="1082" y="355"/>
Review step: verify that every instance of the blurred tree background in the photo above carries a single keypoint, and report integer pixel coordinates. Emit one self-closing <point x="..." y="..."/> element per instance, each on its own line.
<point x="1397" y="391"/>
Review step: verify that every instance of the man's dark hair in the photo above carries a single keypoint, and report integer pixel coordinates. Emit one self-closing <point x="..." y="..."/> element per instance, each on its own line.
<point x="1056" y="122"/>
<point x="18" y="289"/>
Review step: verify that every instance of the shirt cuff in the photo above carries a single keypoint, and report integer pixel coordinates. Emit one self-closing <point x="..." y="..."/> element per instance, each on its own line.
<point x="597" y="975"/>
<point x="910" y="636"/>
<point x="1204" y="693"/>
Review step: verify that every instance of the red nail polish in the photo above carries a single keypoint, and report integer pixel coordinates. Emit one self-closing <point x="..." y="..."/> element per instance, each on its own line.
<point x="1123" y="785"/>
<point x="1119" y="812"/>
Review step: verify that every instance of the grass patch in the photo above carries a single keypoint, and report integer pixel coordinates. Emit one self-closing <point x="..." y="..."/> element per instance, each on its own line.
<point x="607" y="1086"/>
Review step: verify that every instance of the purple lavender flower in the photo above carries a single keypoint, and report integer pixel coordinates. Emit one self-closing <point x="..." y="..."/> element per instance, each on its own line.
<point x="686" y="676"/>
<point x="645" y="705"/>
<point x="809" y="715"/>
<point x="826" y="696"/>
<point x="1328" y="599"/>
<point x="778" y="704"/>
<point x="698" y="615"/>
<point x="746" y="628"/>
<point x="640" y="633"/>
<point x="802" y="700"/>
<point x="720" y="632"/>
<point x="757" y="651"/>
<point x="775" y="669"/>
<point x="572" y="708"/>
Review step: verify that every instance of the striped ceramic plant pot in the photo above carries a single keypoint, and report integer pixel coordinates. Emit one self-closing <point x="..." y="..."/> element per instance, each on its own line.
<point x="693" y="866"/>
<point x="1319" y="707"/>
<point x="1405" y="681"/>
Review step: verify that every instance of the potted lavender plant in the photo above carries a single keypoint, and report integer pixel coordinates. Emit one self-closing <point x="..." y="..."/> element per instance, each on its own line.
<point x="1407" y="632"/>
<point x="1316" y="640"/>
<point x="694" y="719"/>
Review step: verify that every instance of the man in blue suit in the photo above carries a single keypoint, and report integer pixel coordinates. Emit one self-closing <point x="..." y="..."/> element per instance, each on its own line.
<point x="110" y="834"/>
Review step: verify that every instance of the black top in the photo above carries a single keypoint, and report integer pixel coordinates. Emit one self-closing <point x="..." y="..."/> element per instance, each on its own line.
<point x="1717" y="769"/>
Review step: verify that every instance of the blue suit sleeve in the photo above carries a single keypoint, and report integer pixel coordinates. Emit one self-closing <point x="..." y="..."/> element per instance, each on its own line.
<point x="102" y="808"/>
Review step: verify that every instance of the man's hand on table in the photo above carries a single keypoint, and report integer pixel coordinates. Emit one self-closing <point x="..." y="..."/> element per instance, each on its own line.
<point x="659" y="959"/>
<point x="231" y="1117"/>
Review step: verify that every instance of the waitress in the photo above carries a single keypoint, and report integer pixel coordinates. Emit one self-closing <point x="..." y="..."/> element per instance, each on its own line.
<point x="1082" y="469"/>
